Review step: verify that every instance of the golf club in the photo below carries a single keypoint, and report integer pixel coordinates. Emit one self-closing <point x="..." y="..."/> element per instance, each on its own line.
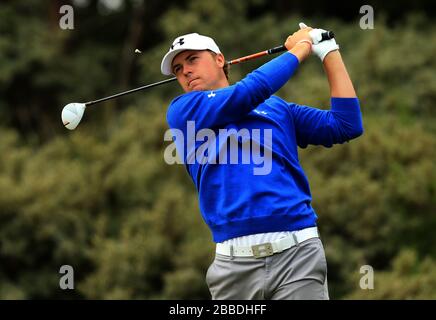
<point x="72" y="113"/>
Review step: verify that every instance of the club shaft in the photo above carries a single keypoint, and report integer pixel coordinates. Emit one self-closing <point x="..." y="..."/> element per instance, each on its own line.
<point x="131" y="91"/>
<point x="325" y="36"/>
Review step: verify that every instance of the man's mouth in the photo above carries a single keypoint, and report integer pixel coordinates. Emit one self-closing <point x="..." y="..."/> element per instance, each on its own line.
<point x="190" y="81"/>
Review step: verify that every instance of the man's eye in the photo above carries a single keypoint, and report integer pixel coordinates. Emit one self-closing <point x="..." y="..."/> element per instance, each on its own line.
<point x="192" y="59"/>
<point x="176" y="69"/>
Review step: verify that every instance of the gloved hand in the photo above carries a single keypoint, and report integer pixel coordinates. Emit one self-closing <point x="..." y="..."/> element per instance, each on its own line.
<point x="321" y="49"/>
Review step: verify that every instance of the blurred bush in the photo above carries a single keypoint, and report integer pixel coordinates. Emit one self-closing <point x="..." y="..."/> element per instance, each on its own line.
<point x="103" y="200"/>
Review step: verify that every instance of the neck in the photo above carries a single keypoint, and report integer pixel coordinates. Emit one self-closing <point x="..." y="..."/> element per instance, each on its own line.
<point x="223" y="83"/>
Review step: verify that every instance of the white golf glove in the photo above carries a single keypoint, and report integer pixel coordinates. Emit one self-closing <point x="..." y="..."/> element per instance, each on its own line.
<point x="321" y="49"/>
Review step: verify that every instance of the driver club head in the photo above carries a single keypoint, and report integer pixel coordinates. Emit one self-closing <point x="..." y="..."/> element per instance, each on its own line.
<point x="72" y="114"/>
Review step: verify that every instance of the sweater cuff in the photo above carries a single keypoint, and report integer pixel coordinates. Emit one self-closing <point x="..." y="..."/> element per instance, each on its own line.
<point x="345" y="104"/>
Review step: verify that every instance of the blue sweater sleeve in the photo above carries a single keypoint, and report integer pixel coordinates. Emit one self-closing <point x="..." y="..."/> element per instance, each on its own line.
<point x="327" y="127"/>
<point x="214" y="108"/>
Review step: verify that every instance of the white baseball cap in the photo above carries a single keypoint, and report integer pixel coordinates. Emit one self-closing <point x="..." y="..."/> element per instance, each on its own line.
<point x="191" y="41"/>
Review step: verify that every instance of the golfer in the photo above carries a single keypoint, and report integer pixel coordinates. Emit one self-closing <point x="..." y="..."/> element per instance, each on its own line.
<point x="265" y="229"/>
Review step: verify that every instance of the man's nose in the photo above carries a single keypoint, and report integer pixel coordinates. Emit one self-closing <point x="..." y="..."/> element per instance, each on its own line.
<point x="187" y="70"/>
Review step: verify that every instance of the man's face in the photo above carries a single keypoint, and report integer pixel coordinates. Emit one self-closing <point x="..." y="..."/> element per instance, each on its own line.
<point x="199" y="70"/>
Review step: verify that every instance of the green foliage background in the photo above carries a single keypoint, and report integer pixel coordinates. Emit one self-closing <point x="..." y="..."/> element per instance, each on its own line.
<point x="102" y="199"/>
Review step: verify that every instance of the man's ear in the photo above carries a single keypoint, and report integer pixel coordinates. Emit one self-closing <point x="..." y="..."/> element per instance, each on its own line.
<point x="220" y="60"/>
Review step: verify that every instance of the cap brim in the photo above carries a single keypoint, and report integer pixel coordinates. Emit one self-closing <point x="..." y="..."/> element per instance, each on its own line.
<point x="165" y="66"/>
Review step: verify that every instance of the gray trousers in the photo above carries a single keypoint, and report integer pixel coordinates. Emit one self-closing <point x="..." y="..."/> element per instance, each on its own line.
<point x="299" y="272"/>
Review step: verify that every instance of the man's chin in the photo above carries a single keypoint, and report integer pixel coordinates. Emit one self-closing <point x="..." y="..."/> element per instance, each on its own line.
<point x="197" y="88"/>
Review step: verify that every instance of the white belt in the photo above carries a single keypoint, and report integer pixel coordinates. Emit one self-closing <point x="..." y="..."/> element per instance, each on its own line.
<point x="268" y="248"/>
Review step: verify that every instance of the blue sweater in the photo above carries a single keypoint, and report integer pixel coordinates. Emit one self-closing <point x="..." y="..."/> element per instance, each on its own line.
<point x="234" y="201"/>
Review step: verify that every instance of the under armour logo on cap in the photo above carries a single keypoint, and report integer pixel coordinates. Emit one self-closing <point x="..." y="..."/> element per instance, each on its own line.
<point x="181" y="42"/>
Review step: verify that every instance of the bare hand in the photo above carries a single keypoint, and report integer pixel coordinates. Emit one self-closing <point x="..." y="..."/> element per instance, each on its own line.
<point x="302" y="34"/>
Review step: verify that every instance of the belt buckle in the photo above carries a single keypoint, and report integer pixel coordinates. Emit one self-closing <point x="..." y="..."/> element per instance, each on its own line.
<point x="262" y="250"/>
